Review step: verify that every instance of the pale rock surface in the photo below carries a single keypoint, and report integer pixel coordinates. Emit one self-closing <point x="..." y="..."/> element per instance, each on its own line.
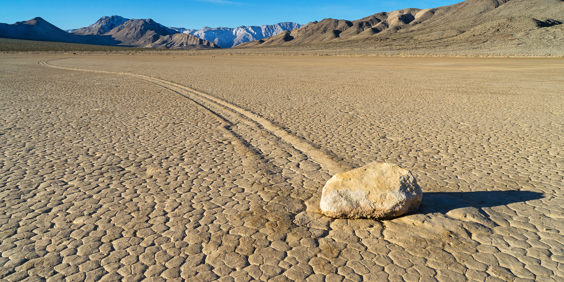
<point x="376" y="190"/>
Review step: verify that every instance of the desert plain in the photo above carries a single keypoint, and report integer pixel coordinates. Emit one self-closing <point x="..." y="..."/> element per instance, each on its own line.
<point x="154" y="167"/>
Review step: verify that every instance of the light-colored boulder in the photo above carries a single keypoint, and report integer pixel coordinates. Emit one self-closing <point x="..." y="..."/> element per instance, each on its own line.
<point x="376" y="190"/>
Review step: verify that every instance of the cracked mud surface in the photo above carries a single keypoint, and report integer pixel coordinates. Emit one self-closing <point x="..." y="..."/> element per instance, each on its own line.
<point x="109" y="176"/>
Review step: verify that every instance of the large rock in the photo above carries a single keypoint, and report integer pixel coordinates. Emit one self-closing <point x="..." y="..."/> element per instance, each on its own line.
<point x="376" y="190"/>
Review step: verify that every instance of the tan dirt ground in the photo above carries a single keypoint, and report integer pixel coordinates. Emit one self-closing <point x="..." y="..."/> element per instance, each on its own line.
<point x="207" y="167"/>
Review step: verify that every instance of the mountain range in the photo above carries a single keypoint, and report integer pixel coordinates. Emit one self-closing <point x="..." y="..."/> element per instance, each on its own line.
<point x="111" y="31"/>
<point x="466" y="25"/>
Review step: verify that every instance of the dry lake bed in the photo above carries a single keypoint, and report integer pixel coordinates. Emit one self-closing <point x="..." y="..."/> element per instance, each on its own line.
<point x="203" y="168"/>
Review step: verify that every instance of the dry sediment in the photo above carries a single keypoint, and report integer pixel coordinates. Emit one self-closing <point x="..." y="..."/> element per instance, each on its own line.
<point x="106" y="176"/>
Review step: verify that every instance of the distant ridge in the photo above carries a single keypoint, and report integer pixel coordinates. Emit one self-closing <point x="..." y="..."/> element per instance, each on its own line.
<point x="471" y="22"/>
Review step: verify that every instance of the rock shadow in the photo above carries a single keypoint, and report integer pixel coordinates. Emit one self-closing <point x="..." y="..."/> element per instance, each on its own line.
<point x="444" y="202"/>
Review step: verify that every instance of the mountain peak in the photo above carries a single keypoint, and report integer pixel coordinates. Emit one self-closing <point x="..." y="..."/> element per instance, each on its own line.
<point x="114" y="18"/>
<point x="36" y="20"/>
<point x="101" y="26"/>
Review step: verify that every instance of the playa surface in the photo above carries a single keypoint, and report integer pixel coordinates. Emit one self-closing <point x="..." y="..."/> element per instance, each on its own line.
<point x="208" y="167"/>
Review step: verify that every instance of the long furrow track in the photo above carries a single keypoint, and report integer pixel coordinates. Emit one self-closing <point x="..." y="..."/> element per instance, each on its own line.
<point x="235" y="114"/>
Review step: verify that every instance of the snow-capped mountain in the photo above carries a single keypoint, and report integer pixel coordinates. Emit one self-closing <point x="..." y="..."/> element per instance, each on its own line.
<point x="230" y="37"/>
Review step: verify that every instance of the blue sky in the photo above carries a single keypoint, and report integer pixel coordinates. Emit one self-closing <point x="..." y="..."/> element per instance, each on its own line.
<point x="68" y="14"/>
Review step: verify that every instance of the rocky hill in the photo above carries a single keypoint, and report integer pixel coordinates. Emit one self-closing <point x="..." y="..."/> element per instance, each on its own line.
<point x="469" y="24"/>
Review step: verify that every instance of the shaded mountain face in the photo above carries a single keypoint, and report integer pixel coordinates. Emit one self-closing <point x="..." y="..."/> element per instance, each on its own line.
<point x="112" y="31"/>
<point x="230" y="37"/>
<point x="139" y="32"/>
<point x="36" y="29"/>
<point x="468" y="21"/>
